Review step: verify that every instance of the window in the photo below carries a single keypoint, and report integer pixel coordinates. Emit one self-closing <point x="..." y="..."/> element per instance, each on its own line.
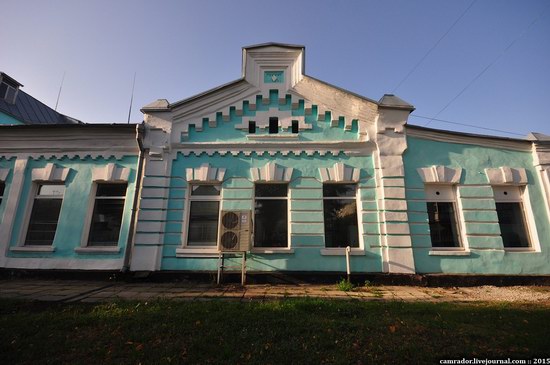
<point x="2" y="188"/>
<point x="511" y="216"/>
<point x="107" y="215"/>
<point x="45" y="215"/>
<point x="273" y="125"/>
<point x="271" y="215"/>
<point x="251" y="127"/>
<point x="294" y="126"/>
<point x="340" y="214"/>
<point x="442" y="216"/>
<point x="204" y="210"/>
<point x="8" y="92"/>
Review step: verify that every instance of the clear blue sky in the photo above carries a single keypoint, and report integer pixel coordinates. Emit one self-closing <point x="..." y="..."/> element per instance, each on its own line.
<point x="180" y="48"/>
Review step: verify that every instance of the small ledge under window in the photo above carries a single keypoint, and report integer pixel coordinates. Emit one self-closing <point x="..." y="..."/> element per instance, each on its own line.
<point x="520" y="249"/>
<point x="274" y="250"/>
<point x="32" y="249"/>
<point x="97" y="250"/>
<point x="341" y="251"/>
<point x="197" y="252"/>
<point x="452" y="252"/>
<point x="255" y="137"/>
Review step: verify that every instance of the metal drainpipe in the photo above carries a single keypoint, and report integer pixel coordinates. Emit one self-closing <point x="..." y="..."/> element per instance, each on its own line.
<point x="348" y="266"/>
<point x="135" y="205"/>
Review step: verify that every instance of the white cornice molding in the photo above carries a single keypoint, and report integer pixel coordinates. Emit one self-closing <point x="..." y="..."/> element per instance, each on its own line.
<point x="506" y="176"/>
<point x="4" y="174"/>
<point x="440" y="175"/>
<point x="350" y="148"/>
<point x="50" y="173"/>
<point x="340" y="173"/>
<point x="111" y="173"/>
<point x="442" y="136"/>
<point x="205" y="174"/>
<point x="271" y="172"/>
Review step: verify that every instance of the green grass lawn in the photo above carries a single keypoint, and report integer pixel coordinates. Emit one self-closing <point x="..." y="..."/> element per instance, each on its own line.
<point x="301" y="331"/>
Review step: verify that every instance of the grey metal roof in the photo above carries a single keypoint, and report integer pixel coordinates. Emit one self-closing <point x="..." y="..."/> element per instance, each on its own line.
<point x="29" y="110"/>
<point x="269" y="44"/>
<point x="392" y="101"/>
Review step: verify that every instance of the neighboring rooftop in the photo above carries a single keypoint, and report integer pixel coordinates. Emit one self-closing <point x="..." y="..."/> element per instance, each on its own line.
<point x="21" y="106"/>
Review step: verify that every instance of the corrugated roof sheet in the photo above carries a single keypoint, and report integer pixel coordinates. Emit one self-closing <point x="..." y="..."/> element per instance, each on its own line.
<point x="32" y="111"/>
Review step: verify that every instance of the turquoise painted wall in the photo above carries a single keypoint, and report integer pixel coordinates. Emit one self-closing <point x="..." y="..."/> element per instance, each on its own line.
<point x="226" y="132"/>
<point x="6" y="119"/>
<point x="6" y="164"/>
<point x="306" y="212"/>
<point x="481" y="223"/>
<point x="74" y="207"/>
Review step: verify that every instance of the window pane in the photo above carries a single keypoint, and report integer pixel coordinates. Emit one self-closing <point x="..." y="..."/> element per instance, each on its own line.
<point x="43" y="222"/>
<point x="2" y="187"/>
<point x="106" y="222"/>
<point x="51" y="190"/>
<point x="341" y="228"/>
<point x="271" y="190"/>
<point x="339" y="190"/>
<point x="203" y="223"/>
<point x="443" y="227"/>
<point x="271" y="224"/>
<point x="3" y="89"/>
<point x="512" y="225"/>
<point x="111" y="190"/>
<point x="205" y="190"/>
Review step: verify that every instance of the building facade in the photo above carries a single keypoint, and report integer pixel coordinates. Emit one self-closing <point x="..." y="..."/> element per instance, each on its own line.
<point x="319" y="168"/>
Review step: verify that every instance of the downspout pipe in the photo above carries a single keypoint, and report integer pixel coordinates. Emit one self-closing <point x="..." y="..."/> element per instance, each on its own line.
<point x="137" y="198"/>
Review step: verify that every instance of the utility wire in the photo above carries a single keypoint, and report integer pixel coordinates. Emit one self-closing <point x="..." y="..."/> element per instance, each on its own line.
<point x="488" y="66"/>
<point x="59" y="93"/>
<point x="433" y="47"/>
<point x="132" y="97"/>
<point x="467" y="125"/>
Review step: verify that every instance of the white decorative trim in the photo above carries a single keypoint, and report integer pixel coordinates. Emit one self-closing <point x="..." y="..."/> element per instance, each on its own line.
<point x="339" y="173"/>
<point x="32" y="249"/>
<point x="74" y="264"/>
<point x="50" y="173"/>
<point x="4" y="174"/>
<point x="271" y="172"/>
<point x="440" y="175"/>
<point x="342" y="252"/>
<point x="285" y="119"/>
<point x="275" y="137"/>
<point x="111" y="173"/>
<point x="97" y="250"/>
<point x="506" y="176"/>
<point x="205" y="173"/>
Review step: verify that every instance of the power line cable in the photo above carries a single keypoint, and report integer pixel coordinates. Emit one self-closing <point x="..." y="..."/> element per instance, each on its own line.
<point x="467" y="125"/>
<point x="433" y="47"/>
<point x="488" y="66"/>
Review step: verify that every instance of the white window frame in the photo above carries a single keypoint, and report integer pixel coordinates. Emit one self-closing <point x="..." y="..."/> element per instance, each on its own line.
<point x="329" y="251"/>
<point x="446" y="193"/>
<point x="519" y="194"/>
<point x="185" y="249"/>
<point x="33" y="194"/>
<point x="16" y="91"/>
<point x="283" y="249"/>
<point x="84" y="247"/>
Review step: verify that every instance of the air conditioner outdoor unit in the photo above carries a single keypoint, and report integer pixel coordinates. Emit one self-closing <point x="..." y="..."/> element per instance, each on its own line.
<point x="235" y="231"/>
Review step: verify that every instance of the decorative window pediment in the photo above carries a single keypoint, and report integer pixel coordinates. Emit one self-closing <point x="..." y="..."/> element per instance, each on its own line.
<point x="440" y="174"/>
<point x="506" y="176"/>
<point x="111" y="173"/>
<point x="51" y="172"/>
<point x="205" y="173"/>
<point x="4" y="174"/>
<point x="339" y="173"/>
<point x="271" y="172"/>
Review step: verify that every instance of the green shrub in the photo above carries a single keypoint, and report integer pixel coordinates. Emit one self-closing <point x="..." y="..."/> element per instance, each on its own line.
<point x="345" y="285"/>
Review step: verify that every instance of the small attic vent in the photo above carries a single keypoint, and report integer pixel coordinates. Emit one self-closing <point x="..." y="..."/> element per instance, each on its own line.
<point x="8" y="88"/>
<point x="273" y="125"/>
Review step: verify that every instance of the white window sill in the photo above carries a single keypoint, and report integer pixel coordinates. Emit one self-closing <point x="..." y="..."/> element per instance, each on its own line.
<point x="342" y="252"/>
<point x="520" y="249"/>
<point x="97" y="250"/>
<point x="274" y="250"/>
<point x="449" y="253"/>
<point x="32" y="249"/>
<point x="197" y="252"/>
<point x="256" y="137"/>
